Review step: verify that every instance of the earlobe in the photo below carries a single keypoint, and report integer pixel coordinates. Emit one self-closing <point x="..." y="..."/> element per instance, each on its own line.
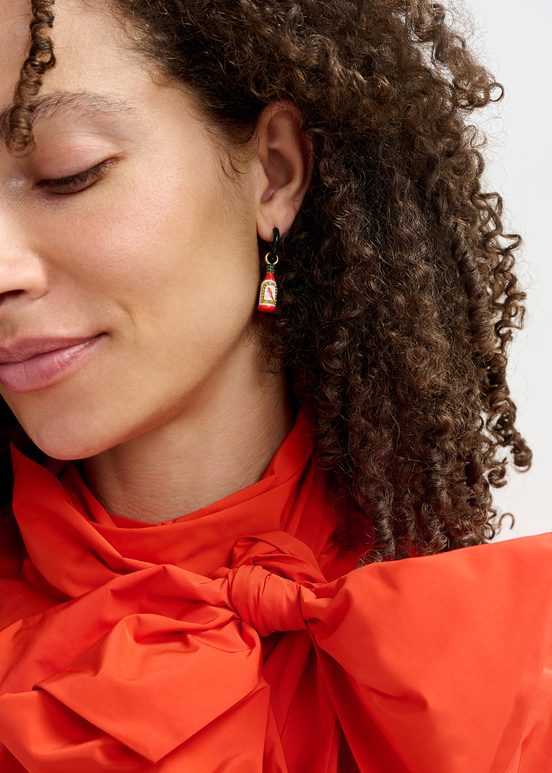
<point x="284" y="155"/>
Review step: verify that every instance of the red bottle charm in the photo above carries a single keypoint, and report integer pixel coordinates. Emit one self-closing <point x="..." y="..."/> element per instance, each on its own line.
<point x="269" y="289"/>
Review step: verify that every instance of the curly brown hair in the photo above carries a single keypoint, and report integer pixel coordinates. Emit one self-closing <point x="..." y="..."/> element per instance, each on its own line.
<point x="398" y="296"/>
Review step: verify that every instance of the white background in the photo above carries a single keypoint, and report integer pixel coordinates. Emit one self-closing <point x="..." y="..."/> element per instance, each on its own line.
<point x="514" y="41"/>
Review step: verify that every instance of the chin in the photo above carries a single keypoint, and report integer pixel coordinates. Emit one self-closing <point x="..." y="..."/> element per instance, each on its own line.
<point x="68" y="440"/>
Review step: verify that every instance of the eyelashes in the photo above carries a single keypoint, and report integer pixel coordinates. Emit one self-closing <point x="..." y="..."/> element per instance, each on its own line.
<point x="76" y="182"/>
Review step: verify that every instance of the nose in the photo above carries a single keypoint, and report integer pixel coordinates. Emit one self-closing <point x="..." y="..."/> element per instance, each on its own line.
<point x="20" y="275"/>
<point x="22" y="270"/>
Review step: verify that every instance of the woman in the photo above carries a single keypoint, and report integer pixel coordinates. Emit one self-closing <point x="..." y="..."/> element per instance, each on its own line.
<point x="235" y="540"/>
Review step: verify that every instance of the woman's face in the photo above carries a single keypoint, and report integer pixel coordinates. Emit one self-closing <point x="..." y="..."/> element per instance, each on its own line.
<point x="158" y="253"/>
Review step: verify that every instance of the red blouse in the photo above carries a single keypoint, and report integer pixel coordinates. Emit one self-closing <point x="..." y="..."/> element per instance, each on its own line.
<point x="237" y="638"/>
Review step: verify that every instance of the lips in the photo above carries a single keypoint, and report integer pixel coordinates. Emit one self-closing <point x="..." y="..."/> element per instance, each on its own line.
<point x="25" y="348"/>
<point x="32" y="370"/>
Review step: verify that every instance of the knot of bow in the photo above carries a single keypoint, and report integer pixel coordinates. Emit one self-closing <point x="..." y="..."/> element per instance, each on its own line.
<point x="269" y="578"/>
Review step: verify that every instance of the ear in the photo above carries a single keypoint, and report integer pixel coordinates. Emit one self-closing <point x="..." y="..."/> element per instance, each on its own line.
<point x="285" y="161"/>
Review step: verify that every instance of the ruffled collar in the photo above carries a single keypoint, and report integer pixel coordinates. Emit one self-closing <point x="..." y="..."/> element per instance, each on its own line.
<point x="75" y="545"/>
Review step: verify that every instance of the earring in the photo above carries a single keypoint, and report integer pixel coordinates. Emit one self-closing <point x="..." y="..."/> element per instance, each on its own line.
<point x="269" y="289"/>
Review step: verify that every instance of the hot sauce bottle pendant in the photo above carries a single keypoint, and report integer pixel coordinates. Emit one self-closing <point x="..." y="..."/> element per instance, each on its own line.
<point x="268" y="292"/>
<point x="269" y="289"/>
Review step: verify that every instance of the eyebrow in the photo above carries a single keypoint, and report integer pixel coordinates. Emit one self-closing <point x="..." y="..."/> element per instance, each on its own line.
<point x="87" y="103"/>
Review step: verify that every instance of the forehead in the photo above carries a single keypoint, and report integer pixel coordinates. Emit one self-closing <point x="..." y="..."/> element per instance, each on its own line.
<point x="94" y="62"/>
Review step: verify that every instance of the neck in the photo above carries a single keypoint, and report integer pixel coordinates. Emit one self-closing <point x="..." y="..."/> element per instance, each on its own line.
<point x="220" y="444"/>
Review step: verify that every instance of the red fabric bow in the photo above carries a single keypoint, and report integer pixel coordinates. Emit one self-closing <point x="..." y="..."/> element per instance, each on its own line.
<point x="164" y="667"/>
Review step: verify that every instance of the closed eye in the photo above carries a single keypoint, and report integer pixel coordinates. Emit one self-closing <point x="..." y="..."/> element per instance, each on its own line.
<point x="76" y="182"/>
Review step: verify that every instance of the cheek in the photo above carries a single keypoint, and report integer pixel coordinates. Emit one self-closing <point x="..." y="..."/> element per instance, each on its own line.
<point x="171" y="263"/>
